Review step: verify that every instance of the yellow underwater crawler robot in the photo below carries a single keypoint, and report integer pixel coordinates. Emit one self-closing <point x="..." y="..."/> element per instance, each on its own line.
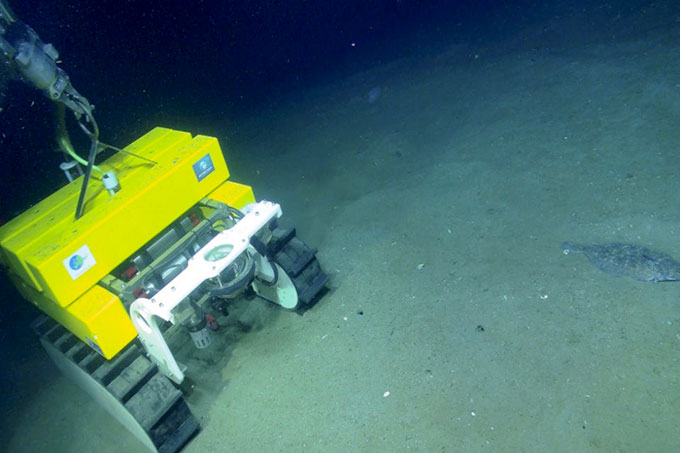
<point x="160" y="239"/>
<point x="174" y="240"/>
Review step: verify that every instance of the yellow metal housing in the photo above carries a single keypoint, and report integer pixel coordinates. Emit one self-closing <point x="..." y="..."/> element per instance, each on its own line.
<point x="57" y="261"/>
<point x="233" y="194"/>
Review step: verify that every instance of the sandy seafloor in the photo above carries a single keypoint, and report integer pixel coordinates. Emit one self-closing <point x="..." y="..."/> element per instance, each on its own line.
<point x="439" y="209"/>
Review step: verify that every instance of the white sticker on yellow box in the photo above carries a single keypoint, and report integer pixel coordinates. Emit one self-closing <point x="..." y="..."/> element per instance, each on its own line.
<point x="79" y="262"/>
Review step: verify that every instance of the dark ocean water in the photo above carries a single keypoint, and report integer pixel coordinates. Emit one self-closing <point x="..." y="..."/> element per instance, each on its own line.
<point x="142" y="63"/>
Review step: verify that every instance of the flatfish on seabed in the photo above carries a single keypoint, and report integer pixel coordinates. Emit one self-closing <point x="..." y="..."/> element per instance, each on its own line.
<point x="630" y="260"/>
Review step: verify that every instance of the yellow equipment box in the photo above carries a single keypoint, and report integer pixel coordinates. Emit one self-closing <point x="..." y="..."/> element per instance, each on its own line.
<point x="56" y="261"/>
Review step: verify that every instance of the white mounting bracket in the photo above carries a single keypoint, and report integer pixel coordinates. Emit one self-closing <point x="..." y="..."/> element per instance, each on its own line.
<point x="207" y="263"/>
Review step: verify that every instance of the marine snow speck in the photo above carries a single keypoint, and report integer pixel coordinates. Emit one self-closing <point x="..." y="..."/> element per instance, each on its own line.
<point x="629" y="260"/>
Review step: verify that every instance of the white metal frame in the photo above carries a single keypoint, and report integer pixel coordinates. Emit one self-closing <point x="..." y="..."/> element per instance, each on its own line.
<point x="233" y="242"/>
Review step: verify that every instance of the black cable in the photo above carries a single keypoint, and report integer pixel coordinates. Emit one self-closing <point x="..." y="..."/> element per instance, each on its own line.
<point x="235" y="212"/>
<point x="86" y="179"/>
<point x="94" y="137"/>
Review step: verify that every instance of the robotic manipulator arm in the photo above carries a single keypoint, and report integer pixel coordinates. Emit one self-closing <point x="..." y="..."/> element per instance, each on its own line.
<point x="36" y="64"/>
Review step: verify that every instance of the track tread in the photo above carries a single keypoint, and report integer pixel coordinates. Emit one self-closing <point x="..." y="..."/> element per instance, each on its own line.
<point x="152" y="401"/>
<point x="131" y="378"/>
<point x="299" y="261"/>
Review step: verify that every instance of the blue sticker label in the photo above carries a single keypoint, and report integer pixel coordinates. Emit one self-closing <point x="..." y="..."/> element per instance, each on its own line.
<point x="203" y="167"/>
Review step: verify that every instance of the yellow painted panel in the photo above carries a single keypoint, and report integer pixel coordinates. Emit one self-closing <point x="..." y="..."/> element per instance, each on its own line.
<point x="63" y="257"/>
<point x="56" y="212"/>
<point x="107" y="325"/>
<point x="98" y="318"/>
<point x="233" y="194"/>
